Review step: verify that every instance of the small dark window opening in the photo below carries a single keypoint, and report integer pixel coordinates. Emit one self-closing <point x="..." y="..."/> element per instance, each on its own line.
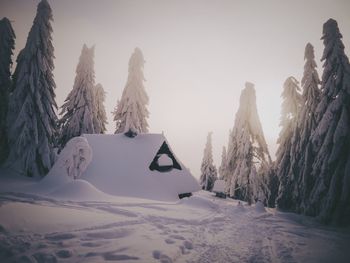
<point x="130" y="134"/>
<point x="164" y="149"/>
<point x="185" y="195"/>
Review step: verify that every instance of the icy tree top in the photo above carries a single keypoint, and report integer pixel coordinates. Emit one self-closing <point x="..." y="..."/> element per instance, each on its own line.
<point x="208" y="156"/>
<point x="310" y="81"/>
<point x="291" y="99"/>
<point x="136" y="63"/>
<point x="335" y="60"/>
<point x="247" y="122"/>
<point x="248" y="112"/>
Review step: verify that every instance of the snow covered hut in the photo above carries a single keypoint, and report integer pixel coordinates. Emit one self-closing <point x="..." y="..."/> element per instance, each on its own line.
<point x="143" y="166"/>
<point x="219" y="188"/>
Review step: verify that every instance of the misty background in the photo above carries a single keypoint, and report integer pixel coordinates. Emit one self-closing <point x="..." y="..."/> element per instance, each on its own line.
<point x="198" y="56"/>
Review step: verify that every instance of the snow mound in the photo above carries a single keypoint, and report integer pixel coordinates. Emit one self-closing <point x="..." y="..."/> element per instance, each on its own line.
<point x="48" y="184"/>
<point x="79" y="190"/>
<point x="70" y="164"/>
<point x="75" y="157"/>
<point x="259" y="207"/>
<point x="199" y="202"/>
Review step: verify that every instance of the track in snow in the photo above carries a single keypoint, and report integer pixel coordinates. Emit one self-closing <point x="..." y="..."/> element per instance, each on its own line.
<point x="201" y="229"/>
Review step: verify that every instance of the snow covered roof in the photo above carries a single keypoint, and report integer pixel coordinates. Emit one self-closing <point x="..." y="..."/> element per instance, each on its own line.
<point x="121" y="166"/>
<point x="219" y="186"/>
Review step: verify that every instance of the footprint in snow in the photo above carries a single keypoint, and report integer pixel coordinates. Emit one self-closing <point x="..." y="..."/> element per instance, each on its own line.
<point x="161" y="257"/>
<point x="64" y="253"/>
<point x="60" y="237"/>
<point x="169" y="241"/>
<point x="187" y="245"/>
<point x="113" y="234"/>
<point x="118" y="257"/>
<point x="112" y="256"/>
<point x="177" y="237"/>
<point x="156" y="254"/>
<point x="91" y="244"/>
<point x="165" y="259"/>
<point x="183" y="250"/>
<point x="41" y="257"/>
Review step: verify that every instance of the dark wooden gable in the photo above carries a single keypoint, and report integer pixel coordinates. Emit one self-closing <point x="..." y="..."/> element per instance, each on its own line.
<point x="164" y="149"/>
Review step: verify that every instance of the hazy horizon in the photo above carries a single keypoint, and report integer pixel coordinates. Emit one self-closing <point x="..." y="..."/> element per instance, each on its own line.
<point x="198" y="56"/>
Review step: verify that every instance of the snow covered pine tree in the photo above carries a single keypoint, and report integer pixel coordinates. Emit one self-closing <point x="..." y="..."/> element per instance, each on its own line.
<point x="208" y="169"/>
<point x="330" y="197"/>
<point x="7" y="45"/>
<point x="290" y="109"/>
<point x="247" y="156"/>
<point x="79" y="110"/>
<point x="100" y="119"/>
<point x="31" y="118"/>
<point x="131" y="113"/>
<point x="302" y="152"/>
<point x="223" y="168"/>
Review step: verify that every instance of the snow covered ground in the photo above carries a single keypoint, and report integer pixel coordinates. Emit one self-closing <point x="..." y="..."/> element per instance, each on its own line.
<point x="201" y="228"/>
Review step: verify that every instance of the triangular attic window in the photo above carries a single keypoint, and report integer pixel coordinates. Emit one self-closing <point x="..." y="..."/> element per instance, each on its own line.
<point x="164" y="150"/>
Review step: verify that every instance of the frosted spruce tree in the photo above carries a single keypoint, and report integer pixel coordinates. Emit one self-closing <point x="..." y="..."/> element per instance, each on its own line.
<point x="330" y="197"/>
<point x="208" y="169"/>
<point x="100" y="119"/>
<point x="290" y="110"/>
<point x="7" y="45"/>
<point x="247" y="154"/>
<point x="302" y="152"/>
<point x="227" y="176"/>
<point x="223" y="168"/>
<point x="79" y="110"/>
<point x="32" y="120"/>
<point x="131" y="112"/>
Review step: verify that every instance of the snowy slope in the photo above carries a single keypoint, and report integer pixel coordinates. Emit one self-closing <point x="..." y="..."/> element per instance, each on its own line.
<point x="201" y="228"/>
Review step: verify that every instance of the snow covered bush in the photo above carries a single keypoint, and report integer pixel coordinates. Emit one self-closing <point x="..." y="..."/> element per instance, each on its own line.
<point x="75" y="157"/>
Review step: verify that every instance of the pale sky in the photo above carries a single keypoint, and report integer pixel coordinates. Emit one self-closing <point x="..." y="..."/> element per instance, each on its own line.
<point x="198" y="56"/>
